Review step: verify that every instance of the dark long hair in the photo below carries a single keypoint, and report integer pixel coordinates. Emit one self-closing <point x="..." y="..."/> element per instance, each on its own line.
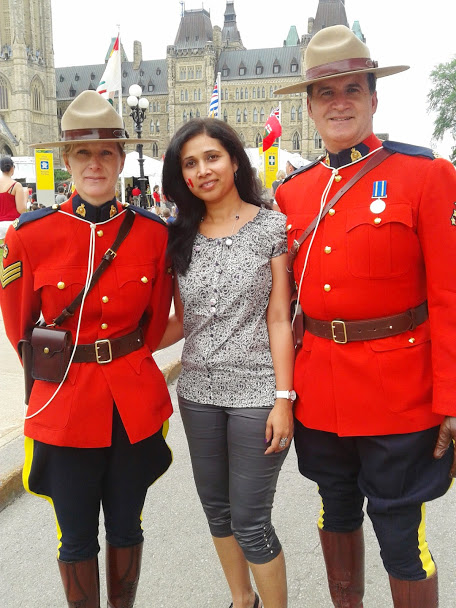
<point x="191" y="209"/>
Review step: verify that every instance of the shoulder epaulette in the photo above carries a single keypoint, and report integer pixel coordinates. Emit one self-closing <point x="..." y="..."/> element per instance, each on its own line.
<point x="149" y="214"/>
<point x="31" y="216"/>
<point x="409" y="149"/>
<point x="303" y="169"/>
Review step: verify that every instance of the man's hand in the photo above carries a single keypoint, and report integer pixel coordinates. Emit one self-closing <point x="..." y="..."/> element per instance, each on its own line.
<point x="447" y="436"/>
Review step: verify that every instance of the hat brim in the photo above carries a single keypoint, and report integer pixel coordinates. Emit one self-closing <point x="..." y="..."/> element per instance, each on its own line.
<point x="379" y="73"/>
<point x="61" y="144"/>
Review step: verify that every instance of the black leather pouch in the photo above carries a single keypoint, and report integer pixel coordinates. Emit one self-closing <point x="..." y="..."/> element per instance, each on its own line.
<point x="52" y="349"/>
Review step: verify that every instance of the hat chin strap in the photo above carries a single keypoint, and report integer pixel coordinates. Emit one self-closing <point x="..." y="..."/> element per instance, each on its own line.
<point x="90" y="134"/>
<point x="339" y="67"/>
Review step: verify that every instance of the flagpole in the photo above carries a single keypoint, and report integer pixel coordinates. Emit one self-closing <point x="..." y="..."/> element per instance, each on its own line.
<point x="120" y="112"/>
<point x="219" y="86"/>
<point x="280" y="136"/>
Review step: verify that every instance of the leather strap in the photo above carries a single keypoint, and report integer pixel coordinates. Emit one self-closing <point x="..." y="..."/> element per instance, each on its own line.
<point x="367" y="329"/>
<point x="107" y="258"/>
<point x="375" y="160"/>
<point x="104" y="351"/>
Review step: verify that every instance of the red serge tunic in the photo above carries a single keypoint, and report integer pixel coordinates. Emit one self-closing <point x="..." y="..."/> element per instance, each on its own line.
<point x="44" y="268"/>
<point x="365" y="265"/>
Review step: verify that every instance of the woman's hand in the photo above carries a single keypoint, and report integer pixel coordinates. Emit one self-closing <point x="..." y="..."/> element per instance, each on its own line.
<point x="279" y="426"/>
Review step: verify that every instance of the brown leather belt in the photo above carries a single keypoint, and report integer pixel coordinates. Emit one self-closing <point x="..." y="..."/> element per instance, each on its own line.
<point x="367" y="329"/>
<point x="104" y="351"/>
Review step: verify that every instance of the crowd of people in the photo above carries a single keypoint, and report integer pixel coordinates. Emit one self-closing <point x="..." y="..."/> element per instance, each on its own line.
<point x="361" y="376"/>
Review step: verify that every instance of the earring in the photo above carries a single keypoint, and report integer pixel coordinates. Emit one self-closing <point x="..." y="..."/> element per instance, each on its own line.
<point x="235" y="175"/>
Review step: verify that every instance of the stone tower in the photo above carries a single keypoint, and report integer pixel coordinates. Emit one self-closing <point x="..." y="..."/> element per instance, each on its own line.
<point x="28" y="109"/>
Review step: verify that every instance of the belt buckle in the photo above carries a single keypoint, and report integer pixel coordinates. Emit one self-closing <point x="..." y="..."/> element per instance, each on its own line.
<point x="333" y="330"/>
<point x="98" y="344"/>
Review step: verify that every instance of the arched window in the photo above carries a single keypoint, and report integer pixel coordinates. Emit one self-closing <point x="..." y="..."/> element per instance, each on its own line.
<point x="184" y="116"/>
<point x="246" y="94"/>
<point x="300" y="113"/>
<point x="155" y="150"/>
<point x="245" y="115"/>
<point x="242" y="93"/>
<point x="225" y="115"/>
<point x="186" y="95"/>
<point x="258" y="140"/>
<point x="4" y="98"/>
<point x="254" y="93"/>
<point x="237" y="93"/>
<point x="152" y="126"/>
<point x="238" y="115"/>
<point x="157" y="127"/>
<point x="37" y="94"/>
<point x="263" y="93"/>
<point x="262" y="115"/>
<point x="271" y="91"/>
<point x="293" y="113"/>
<point x="318" y="142"/>
<point x="296" y="141"/>
<point x="255" y="114"/>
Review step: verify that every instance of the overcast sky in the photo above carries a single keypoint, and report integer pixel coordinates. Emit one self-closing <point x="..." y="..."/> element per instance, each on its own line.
<point x="410" y="32"/>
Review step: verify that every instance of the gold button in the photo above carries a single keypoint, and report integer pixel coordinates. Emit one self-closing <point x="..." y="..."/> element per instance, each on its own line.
<point x="289" y="227"/>
<point x="378" y="220"/>
<point x="104" y="326"/>
<point x="328" y="249"/>
<point x="105" y="299"/>
<point x="338" y="178"/>
<point x="100" y="232"/>
<point x="144" y="279"/>
<point x="46" y="350"/>
<point x="412" y="340"/>
<point x="331" y="212"/>
<point x="61" y="285"/>
<point x="327" y="287"/>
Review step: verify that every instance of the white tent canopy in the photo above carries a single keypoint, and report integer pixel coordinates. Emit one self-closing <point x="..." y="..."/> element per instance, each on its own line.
<point x="152" y="167"/>
<point x="257" y="162"/>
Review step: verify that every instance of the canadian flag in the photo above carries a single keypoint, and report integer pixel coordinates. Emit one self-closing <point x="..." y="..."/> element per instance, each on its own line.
<point x="111" y="81"/>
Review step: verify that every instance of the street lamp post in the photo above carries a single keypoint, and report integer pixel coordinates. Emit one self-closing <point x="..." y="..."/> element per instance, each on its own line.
<point x="138" y="107"/>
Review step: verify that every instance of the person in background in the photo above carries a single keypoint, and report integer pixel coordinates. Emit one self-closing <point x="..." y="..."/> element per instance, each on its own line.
<point x="13" y="197"/>
<point x="376" y="374"/>
<point x="167" y="217"/>
<point x="98" y="438"/>
<point x="235" y="390"/>
<point x="156" y="196"/>
<point x="295" y="161"/>
<point x="279" y="179"/>
<point x="60" y="196"/>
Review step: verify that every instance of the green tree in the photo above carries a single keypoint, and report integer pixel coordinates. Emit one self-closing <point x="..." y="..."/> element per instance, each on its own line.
<point x="442" y="100"/>
<point x="61" y="176"/>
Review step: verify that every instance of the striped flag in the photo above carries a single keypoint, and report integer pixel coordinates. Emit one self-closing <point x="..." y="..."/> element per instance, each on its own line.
<point x="214" y="105"/>
<point x="110" y="81"/>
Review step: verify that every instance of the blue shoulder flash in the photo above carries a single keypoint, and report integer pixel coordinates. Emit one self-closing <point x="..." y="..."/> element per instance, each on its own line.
<point x="31" y="216"/>
<point x="149" y="214"/>
<point x="409" y="150"/>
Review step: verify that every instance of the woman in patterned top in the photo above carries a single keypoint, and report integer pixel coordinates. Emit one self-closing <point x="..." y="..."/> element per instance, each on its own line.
<point x="235" y="391"/>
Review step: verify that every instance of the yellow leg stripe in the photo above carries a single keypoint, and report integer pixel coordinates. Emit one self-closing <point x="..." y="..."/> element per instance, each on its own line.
<point x="321" y="519"/>
<point x="28" y="448"/>
<point x="425" y="554"/>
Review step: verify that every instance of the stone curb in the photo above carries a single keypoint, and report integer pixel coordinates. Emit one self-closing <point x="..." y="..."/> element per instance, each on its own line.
<point x="11" y="481"/>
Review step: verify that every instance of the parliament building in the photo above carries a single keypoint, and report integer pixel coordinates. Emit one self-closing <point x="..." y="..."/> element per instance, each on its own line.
<point x="34" y="94"/>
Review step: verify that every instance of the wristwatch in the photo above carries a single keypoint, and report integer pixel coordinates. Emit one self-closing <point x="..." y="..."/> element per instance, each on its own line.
<point x="291" y="395"/>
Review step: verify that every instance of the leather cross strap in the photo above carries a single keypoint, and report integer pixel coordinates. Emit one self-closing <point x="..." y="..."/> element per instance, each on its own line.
<point x="371" y="163"/>
<point x="107" y="258"/>
<point x="104" y="351"/>
<point x="367" y="329"/>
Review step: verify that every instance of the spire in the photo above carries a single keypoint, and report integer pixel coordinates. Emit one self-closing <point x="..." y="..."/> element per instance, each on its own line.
<point x="231" y="37"/>
<point x="329" y="12"/>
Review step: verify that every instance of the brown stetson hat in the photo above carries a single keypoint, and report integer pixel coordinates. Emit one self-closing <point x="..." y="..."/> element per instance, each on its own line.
<point x="91" y="118"/>
<point x="336" y="51"/>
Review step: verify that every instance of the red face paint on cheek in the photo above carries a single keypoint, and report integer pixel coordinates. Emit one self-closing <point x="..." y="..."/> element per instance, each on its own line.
<point x="189" y="183"/>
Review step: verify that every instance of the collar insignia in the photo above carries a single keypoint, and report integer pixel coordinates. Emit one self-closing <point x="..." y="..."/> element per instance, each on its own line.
<point x="355" y="154"/>
<point x="5" y="251"/>
<point x="81" y="210"/>
<point x="113" y="211"/>
<point x="453" y="217"/>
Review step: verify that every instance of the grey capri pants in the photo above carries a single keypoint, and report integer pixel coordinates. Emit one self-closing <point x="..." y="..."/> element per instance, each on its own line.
<point x="235" y="480"/>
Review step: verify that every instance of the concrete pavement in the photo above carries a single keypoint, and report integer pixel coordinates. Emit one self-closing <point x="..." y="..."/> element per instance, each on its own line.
<point x="12" y="412"/>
